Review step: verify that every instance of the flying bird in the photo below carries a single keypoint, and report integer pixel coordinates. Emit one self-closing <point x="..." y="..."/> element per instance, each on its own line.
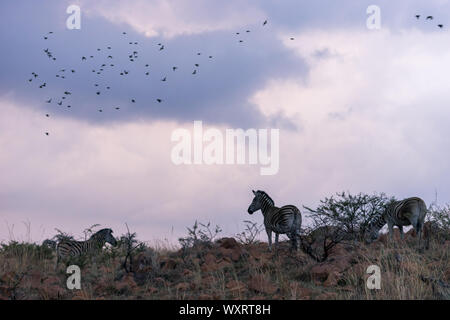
<point x="265" y="22"/>
<point x="159" y="100"/>
<point x="417" y="16"/>
<point x="430" y="18"/>
<point x="174" y="68"/>
<point x="440" y="26"/>
<point x="49" y="101"/>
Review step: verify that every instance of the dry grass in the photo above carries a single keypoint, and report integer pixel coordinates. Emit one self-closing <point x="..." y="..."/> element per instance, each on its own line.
<point x="228" y="270"/>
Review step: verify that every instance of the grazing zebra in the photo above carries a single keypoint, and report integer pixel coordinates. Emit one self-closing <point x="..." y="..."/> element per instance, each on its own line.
<point x="49" y="244"/>
<point x="285" y="220"/>
<point x="410" y="211"/>
<point x="72" y="248"/>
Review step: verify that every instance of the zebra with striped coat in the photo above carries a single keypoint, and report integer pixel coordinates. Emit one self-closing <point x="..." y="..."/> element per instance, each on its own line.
<point x="71" y="248"/>
<point x="285" y="220"/>
<point x="410" y="211"/>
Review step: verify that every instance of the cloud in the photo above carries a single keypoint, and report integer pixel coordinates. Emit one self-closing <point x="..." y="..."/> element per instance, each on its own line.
<point x="173" y="18"/>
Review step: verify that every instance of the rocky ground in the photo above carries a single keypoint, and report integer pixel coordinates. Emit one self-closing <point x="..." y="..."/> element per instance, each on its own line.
<point x="227" y="269"/>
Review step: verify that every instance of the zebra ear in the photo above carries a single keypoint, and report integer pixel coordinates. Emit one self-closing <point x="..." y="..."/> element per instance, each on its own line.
<point x="254" y="192"/>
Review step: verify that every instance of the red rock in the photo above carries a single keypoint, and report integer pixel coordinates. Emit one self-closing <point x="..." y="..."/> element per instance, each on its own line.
<point x="152" y="290"/>
<point x="228" y="243"/>
<point x="160" y="281"/>
<point x="187" y="273"/>
<point x="260" y="284"/>
<point x="210" y="258"/>
<point x="183" y="286"/>
<point x="235" y="285"/>
<point x="298" y="292"/>
<point x="332" y="279"/>
<point x="168" y="264"/>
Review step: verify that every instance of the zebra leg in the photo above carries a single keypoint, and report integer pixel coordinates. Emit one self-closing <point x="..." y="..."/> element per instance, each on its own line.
<point x="276" y="240"/>
<point x="400" y="228"/>
<point x="269" y="235"/>
<point x="391" y="231"/>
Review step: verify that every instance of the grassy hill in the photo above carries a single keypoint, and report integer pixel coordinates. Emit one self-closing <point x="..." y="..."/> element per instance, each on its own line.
<point x="229" y="269"/>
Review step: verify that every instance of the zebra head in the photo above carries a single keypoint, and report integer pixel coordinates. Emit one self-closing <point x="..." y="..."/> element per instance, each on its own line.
<point x="259" y="201"/>
<point x="106" y="236"/>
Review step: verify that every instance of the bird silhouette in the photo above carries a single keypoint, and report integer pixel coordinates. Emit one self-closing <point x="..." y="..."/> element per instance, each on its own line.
<point x="159" y="100"/>
<point x="440" y="26"/>
<point x="174" y="68"/>
<point x="417" y="16"/>
<point x="195" y="72"/>
<point x="49" y="100"/>
<point x="430" y="18"/>
<point x="132" y="100"/>
<point x="265" y="22"/>
<point x="46" y="133"/>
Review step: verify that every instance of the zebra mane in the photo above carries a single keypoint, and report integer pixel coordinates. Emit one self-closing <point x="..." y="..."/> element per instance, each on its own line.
<point x="266" y="196"/>
<point x="101" y="233"/>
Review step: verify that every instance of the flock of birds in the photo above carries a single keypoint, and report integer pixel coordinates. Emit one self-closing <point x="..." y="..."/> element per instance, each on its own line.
<point x="429" y="18"/>
<point x="108" y="63"/>
<point x="132" y="57"/>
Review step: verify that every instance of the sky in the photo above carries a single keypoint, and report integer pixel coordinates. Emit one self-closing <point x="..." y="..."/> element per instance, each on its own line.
<point x="358" y="109"/>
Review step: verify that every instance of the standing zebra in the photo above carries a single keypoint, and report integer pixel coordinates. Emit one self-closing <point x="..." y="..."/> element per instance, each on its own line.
<point x="285" y="220"/>
<point x="72" y="248"/>
<point x="410" y="211"/>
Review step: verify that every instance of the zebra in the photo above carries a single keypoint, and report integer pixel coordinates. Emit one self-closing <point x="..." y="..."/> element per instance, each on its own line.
<point x="410" y="211"/>
<point x="285" y="220"/>
<point x="51" y="244"/>
<point x="72" y="248"/>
